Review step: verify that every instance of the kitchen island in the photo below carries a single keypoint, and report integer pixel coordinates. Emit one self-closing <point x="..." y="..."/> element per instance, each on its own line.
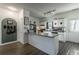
<point x="47" y="43"/>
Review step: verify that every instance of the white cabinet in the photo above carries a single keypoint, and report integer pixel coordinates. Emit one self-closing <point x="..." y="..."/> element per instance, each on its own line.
<point x="55" y="23"/>
<point x="26" y="37"/>
<point x="61" y="23"/>
<point x="46" y="44"/>
<point x="58" y="23"/>
<point x="62" y="36"/>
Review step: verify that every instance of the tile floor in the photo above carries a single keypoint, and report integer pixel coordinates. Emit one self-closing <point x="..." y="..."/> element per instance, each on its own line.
<point x="68" y="48"/>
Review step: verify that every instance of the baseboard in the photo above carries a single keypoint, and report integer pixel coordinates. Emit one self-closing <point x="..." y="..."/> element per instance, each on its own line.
<point x="8" y="42"/>
<point x="62" y="40"/>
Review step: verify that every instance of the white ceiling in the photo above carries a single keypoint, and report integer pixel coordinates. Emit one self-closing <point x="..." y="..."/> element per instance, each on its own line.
<point x="37" y="9"/>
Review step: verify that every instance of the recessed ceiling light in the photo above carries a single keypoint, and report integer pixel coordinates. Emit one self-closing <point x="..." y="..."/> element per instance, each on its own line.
<point x="12" y="8"/>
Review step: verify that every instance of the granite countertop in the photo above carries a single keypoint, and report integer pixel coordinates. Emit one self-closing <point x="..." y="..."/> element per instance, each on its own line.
<point x="50" y="35"/>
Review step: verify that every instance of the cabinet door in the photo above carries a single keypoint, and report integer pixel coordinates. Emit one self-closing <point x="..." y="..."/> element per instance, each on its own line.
<point x="55" y="23"/>
<point x="50" y="25"/>
<point x="26" y="37"/>
<point x="58" y="23"/>
<point x="61" y="23"/>
<point x="61" y="36"/>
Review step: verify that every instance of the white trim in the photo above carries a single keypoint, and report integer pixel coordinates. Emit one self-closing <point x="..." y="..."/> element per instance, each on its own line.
<point x="8" y="42"/>
<point x="23" y="42"/>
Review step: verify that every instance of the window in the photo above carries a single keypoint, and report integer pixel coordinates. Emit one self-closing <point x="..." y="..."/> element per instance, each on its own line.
<point x="74" y="25"/>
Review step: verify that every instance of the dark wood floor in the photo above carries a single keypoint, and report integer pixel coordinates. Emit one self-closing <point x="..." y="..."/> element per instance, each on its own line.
<point x="68" y="48"/>
<point x="19" y="49"/>
<point x="65" y="48"/>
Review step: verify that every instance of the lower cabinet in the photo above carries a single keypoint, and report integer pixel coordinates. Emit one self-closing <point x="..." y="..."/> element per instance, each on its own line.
<point x="62" y="36"/>
<point x="26" y="37"/>
<point x="45" y="44"/>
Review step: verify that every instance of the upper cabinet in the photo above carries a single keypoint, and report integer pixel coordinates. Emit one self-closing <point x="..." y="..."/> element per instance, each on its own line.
<point x="55" y="23"/>
<point x="61" y="23"/>
<point x="58" y="23"/>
